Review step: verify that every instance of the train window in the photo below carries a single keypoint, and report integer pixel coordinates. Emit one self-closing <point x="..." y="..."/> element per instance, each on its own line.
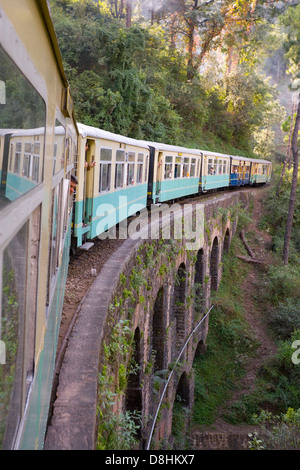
<point x="27" y="160"/>
<point x="177" y="170"/>
<point x="168" y="167"/>
<point x="193" y="168"/>
<point x="54" y="233"/>
<point x="18" y="157"/>
<point x="186" y="166"/>
<point x="198" y="167"/>
<point x="130" y="168"/>
<point x="59" y="148"/>
<point x="215" y="166"/>
<point x="119" y="170"/>
<point x="105" y="169"/>
<point x="210" y="167"/>
<point x="140" y="168"/>
<point x="224" y="167"/>
<point x="220" y="167"/>
<point x="14" y="270"/>
<point x="22" y="116"/>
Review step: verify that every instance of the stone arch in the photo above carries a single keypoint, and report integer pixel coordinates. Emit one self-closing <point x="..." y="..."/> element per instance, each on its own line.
<point x="183" y="390"/>
<point x="158" y="336"/>
<point x="179" y="304"/>
<point x="214" y="265"/>
<point x="199" y="282"/>
<point x="133" y="395"/>
<point x="181" y="405"/>
<point x="226" y="243"/>
<point x="201" y="348"/>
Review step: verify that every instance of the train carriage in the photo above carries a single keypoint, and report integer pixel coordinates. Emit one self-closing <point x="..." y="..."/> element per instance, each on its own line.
<point x="173" y="173"/>
<point x="260" y="171"/>
<point x="215" y="171"/>
<point x="35" y="212"/>
<point x="240" y="169"/>
<point x="113" y="172"/>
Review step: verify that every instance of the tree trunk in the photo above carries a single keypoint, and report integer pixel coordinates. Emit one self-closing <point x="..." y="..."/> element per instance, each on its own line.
<point x="289" y="150"/>
<point x="289" y="223"/>
<point x="128" y="13"/>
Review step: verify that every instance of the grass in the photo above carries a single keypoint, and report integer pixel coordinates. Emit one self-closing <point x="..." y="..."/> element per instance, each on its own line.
<point x="229" y="343"/>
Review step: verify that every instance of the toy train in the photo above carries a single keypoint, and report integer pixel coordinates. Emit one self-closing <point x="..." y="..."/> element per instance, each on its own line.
<point x="41" y="148"/>
<point x="118" y="176"/>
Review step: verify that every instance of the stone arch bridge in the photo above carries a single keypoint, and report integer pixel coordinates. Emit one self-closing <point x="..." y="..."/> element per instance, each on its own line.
<point x="146" y="309"/>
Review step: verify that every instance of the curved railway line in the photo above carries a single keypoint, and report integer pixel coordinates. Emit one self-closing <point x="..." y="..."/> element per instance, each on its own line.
<point x="80" y="279"/>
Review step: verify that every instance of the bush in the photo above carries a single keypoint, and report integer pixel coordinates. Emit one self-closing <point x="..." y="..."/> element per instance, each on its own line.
<point x="285" y="318"/>
<point x="284" y="283"/>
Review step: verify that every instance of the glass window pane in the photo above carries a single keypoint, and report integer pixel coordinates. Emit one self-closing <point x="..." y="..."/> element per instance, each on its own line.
<point x="22" y="123"/>
<point x="12" y="331"/>
<point x="105" y="154"/>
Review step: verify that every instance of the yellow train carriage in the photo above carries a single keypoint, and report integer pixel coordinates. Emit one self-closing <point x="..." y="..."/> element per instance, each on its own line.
<point x="38" y="139"/>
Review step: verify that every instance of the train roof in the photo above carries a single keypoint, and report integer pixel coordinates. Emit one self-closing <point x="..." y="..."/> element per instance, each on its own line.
<point x="172" y="148"/>
<point x="21" y="132"/>
<point x="89" y="131"/>
<point x="253" y="160"/>
<point x="215" y="154"/>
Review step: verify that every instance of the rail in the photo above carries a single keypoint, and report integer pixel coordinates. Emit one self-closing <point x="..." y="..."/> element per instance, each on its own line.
<point x="169" y="378"/>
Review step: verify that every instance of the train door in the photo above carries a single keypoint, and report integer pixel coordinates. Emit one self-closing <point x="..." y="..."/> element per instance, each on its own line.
<point x="159" y="172"/>
<point x="89" y="178"/>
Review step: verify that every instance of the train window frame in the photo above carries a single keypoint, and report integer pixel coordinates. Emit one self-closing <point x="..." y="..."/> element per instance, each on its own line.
<point x="59" y="154"/>
<point x="168" y="167"/>
<point x="130" y="170"/>
<point x="17" y="159"/>
<point x="186" y="167"/>
<point x="25" y="250"/>
<point x="27" y="160"/>
<point x="146" y="169"/>
<point x="119" y="168"/>
<point x="198" y="168"/>
<point x="140" y="168"/>
<point x="178" y="167"/>
<point x="32" y="100"/>
<point x="193" y="168"/>
<point x="105" y="168"/>
<point x="11" y="157"/>
<point x="36" y="159"/>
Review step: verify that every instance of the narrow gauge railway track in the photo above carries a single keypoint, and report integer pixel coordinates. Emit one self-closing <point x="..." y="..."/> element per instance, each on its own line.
<point x="80" y="279"/>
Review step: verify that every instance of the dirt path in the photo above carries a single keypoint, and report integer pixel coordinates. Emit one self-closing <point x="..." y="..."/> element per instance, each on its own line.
<point x="222" y="435"/>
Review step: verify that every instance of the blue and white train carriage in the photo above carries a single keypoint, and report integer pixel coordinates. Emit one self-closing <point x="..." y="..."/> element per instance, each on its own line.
<point x="215" y="171"/>
<point x="112" y="171"/>
<point x="173" y="173"/>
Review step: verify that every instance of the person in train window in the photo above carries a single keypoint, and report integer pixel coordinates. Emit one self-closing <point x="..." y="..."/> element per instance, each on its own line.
<point x="73" y="184"/>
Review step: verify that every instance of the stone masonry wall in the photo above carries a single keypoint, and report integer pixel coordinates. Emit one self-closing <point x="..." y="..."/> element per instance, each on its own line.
<point x="132" y="326"/>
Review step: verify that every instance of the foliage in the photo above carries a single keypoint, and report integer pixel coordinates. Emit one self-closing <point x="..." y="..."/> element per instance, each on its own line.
<point x="277" y="432"/>
<point x="132" y="81"/>
<point x="285" y="318"/>
<point x="229" y="343"/>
